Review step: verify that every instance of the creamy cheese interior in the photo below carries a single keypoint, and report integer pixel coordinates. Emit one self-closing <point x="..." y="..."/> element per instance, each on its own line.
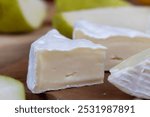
<point x="59" y="70"/>
<point x="133" y="61"/>
<point x="57" y="62"/>
<point x="121" y="43"/>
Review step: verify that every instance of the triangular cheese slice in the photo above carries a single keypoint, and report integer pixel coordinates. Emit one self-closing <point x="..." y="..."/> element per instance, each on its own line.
<point x="57" y="62"/>
<point x="133" y="75"/>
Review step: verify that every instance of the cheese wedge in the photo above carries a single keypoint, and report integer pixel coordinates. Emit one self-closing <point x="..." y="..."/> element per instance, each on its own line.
<point x="57" y="62"/>
<point x="121" y="43"/>
<point x="133" y="75"/>
<point x="133" y="17"/>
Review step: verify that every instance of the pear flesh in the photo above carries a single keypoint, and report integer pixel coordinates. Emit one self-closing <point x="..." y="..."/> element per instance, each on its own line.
<point x="21" y="15"/>
<point x="11" y="89"/>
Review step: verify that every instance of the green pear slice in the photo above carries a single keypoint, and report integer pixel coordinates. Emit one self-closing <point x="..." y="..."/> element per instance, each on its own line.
<point x="11" y="89"/>
<point x="132" y="17"/>
<point x="21" y="15"/>
<point x="70" y="5"/>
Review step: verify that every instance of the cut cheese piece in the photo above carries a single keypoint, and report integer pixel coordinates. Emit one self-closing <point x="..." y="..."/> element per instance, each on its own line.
<point x="121" y="43"/>
<point x="133" y="75"/>
<point x="133" y="17"/>
<point x="57" y="62"/>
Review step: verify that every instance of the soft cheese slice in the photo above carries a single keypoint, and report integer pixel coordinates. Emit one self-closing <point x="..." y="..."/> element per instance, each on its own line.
<point x="133" y="17"/>
<point x="133" y="75"/>
<point x="57" y="62"/>
<point x="121" y="42"/>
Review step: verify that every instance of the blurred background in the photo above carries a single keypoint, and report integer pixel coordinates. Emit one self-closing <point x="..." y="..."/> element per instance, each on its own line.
<point x="16" y="35"/>
<point x="23" y="22"/>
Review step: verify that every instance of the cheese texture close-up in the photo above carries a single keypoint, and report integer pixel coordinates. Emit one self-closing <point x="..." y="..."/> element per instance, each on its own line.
<point x="117" y="40"/>
<point x="133" y="75"/>
<point x="57" y="62"/>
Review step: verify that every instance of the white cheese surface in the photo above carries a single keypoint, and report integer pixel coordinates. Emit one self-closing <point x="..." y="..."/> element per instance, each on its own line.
<point x="121" y="42"/>
<point x="98" y="31"/>
<point x="57" y="62"/>
<point x="133" y="75"/>
<point x="54" y="41"/>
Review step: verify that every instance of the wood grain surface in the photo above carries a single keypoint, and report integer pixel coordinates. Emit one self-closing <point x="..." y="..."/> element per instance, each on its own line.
<point x="104" y="91"/>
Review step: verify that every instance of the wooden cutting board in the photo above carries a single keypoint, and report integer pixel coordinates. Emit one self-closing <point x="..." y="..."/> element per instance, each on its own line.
<point x="104" y="91"/>
<point x="14" y="51"/>
<point x="13" y="47"/>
